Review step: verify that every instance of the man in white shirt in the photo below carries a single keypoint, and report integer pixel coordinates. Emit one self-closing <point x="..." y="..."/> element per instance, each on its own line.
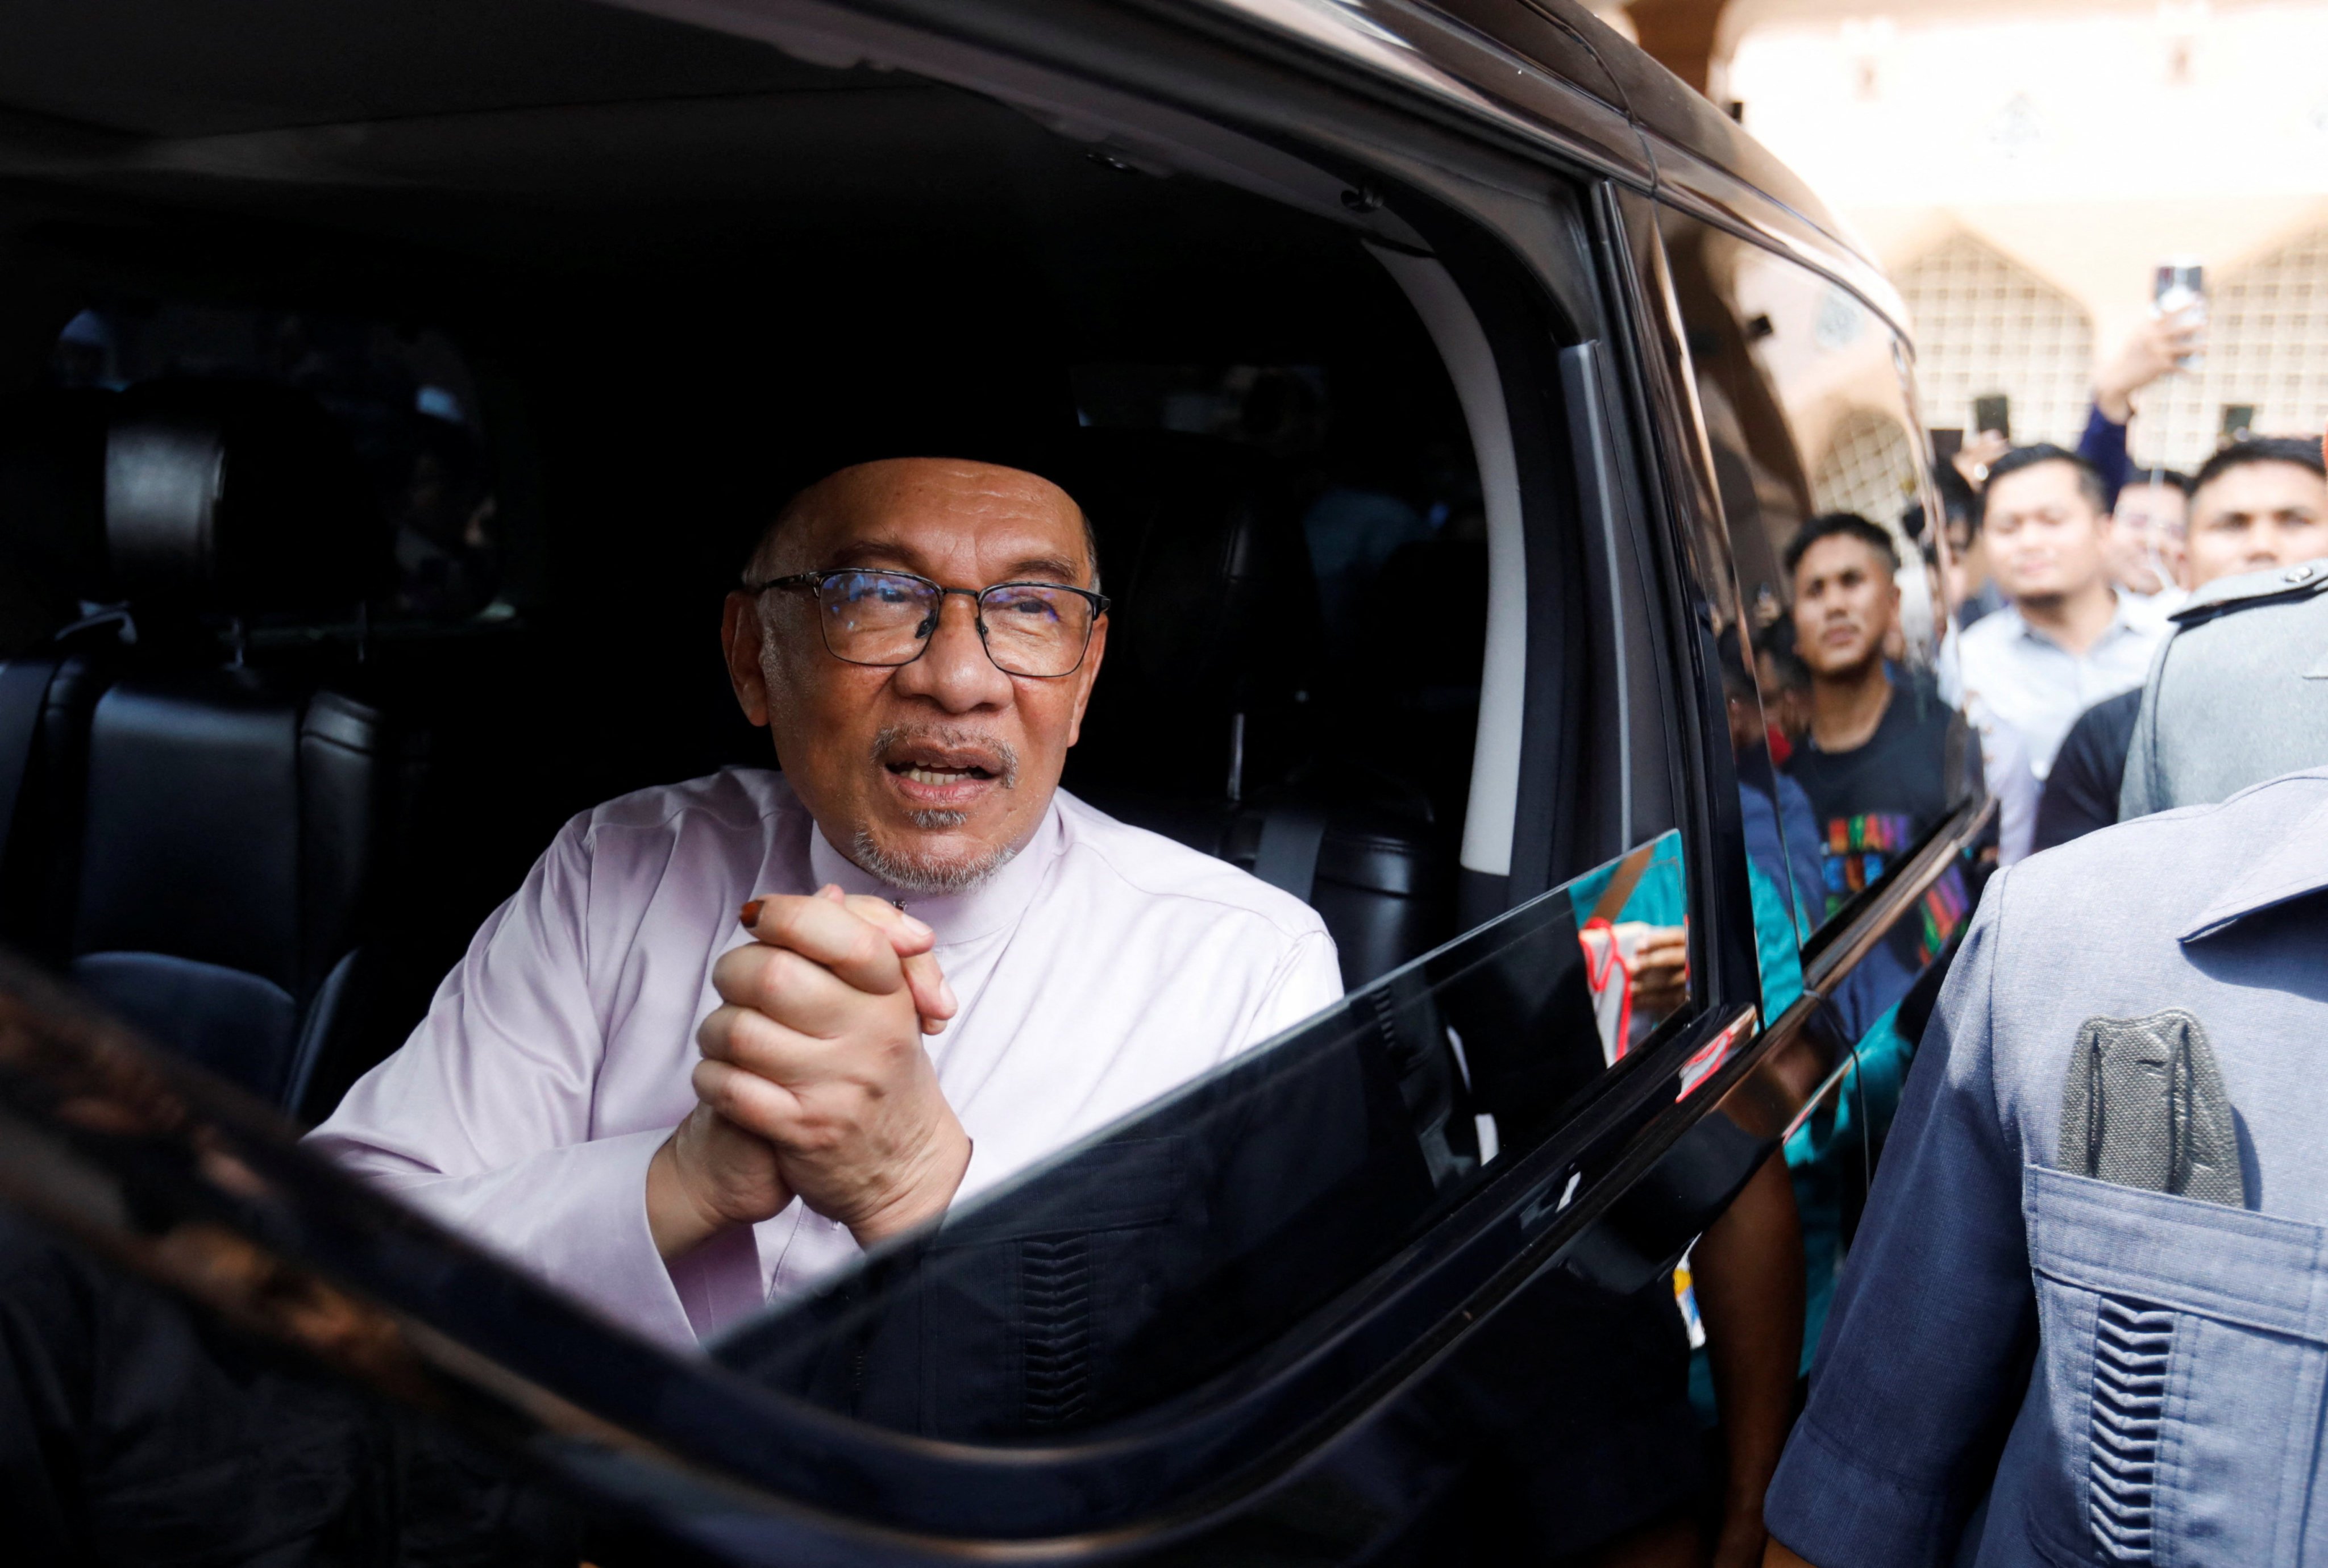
<point x="678" y="1116"/>
<point x="2068" y="639"/>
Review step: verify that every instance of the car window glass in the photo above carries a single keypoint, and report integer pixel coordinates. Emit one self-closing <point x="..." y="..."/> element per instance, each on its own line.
<point x="1782" y="855"/>
<point x="1805" y="409"/>
<point x="1213" y="1235"/>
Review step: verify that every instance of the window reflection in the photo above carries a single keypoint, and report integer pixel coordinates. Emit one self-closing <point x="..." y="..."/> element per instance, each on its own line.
<point x="1632" y="920"/>
<point x="1857" y="754"/>
<point x="1822" y="483"/>
<point x="1781" y="841"/>
<point x="1215" y="1227"/>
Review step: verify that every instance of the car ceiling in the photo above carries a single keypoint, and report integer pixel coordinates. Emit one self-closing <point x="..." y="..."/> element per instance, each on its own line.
<point x="530" y="134"/>
<point x="200" y="67"/>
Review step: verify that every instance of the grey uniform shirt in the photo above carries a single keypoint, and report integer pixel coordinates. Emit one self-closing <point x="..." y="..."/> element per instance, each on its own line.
<point x="2181" y="1346"/>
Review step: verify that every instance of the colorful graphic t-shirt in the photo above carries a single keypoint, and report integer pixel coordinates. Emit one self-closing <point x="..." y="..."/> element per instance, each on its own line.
<point x="1875" y="803"/>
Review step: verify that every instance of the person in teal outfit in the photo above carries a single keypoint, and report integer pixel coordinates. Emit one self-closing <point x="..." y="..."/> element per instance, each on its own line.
<point x="1748" y="1274"/>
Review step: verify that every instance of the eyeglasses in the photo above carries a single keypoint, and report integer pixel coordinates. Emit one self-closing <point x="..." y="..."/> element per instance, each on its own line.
<point x="1038" y="630"/>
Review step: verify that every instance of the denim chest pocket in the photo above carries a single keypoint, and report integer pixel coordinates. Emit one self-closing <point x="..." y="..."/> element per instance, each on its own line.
<point x="2184" y="1351"/>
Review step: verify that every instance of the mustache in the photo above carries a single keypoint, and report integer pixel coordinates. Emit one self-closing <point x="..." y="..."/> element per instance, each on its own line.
<point x="997" y="755"/>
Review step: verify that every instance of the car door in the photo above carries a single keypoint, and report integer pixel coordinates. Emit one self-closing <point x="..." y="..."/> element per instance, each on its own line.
<point x="1189" y="1330"/>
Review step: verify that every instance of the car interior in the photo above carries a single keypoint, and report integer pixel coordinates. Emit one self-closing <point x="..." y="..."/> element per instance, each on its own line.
<point x="390" y="394"/>
<point x="384" y="426"/>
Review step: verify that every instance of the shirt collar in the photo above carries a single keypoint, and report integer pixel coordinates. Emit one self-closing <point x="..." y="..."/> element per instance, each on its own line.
<point x="2288" y="866"/>
<point x="956" y="917"/>
<point x="2121" y="623"/>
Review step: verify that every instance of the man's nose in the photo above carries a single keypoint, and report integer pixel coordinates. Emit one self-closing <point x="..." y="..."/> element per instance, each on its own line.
<point x="954" y="671"/>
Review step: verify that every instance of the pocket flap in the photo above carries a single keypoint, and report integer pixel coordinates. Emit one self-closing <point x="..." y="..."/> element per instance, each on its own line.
<point x="2255" y="1270"/>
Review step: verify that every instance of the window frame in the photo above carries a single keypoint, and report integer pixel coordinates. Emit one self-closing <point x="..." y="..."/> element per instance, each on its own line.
<point x="1799" y="1056"/>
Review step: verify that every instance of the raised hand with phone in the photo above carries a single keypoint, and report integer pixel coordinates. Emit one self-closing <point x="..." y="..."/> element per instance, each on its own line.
<point x="2167" y="341"/>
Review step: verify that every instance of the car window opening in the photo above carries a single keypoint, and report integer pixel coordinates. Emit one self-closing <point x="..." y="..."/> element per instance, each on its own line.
<point x="446" y="605"/>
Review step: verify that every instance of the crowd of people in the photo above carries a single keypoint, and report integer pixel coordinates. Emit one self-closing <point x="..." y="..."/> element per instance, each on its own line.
<point x="2055" y="1340"/>
<point x="2066" y="570"/>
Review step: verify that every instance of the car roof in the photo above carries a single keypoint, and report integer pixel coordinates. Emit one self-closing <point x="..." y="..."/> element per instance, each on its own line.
<point x="1691" y="152"/>
<point x="155" y="90"/>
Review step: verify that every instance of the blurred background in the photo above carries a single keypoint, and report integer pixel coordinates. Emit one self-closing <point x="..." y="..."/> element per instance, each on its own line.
<point x="2023" y="168"/>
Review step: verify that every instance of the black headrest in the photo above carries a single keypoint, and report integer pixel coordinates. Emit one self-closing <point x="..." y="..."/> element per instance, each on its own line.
<point x="238" y="497"/>
<point x="1216" y="611"/>
<point x="1201" y="547"/>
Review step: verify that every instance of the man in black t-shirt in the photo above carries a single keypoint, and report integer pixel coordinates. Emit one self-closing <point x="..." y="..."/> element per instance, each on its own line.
<point x="1883" y="753"/>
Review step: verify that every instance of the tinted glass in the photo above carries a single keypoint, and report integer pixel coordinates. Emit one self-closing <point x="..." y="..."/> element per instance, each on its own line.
<point x="1783" y="869"/>
<point x="1818" y="456"/>
<point x="1216" y="1231"/>
<point x="1862" y="755"/>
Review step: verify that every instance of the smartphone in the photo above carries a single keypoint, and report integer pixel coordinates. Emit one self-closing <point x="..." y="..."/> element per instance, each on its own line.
<point x="2238" y="423"/>
<point x="2178" y="285"/>
<point x="1946" y="445"/>
<point x="1993" y="411"/>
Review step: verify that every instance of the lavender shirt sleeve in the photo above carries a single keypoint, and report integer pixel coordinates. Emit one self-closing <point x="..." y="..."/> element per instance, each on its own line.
<point x="484" y="1121"/>
<point x="1308" y="982"/>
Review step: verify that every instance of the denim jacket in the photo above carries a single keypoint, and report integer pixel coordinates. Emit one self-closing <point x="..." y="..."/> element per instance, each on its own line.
<point x="2152" y="1367"/>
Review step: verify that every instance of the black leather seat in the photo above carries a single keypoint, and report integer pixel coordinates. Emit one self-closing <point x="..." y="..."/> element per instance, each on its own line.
<point x="1206" y="723"/>
<point x="236" y="815"/>
<point x="53" y="567"/>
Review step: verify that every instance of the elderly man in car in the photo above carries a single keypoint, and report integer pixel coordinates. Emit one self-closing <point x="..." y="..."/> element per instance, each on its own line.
<point x="731" y="1031"/>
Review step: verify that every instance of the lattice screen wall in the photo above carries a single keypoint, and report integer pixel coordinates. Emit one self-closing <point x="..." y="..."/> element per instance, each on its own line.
<point x="2266" y="345"/>
<point x="1986" y="324"/>
<point x="1868" y="467"/>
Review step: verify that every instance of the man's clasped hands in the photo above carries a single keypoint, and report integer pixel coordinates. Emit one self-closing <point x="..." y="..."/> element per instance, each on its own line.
<point x="814" y="1083"/>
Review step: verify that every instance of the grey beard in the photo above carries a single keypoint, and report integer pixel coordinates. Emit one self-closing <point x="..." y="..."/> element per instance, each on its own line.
<point x="912" y="877"/>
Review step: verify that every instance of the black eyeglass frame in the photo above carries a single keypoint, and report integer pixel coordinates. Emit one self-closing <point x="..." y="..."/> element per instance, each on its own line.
<point x="813" y="582"/>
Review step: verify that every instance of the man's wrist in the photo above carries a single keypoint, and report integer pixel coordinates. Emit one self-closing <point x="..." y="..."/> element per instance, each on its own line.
<point x="938" y="1176"/>
<point x="676" y="1219"/>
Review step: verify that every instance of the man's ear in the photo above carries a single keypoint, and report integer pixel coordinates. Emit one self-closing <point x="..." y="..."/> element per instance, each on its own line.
<point x="1086" y="676"/>
<point x="739" y="640"/>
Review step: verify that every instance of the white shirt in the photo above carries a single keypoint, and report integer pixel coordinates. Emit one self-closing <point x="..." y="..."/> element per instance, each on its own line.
<point x="2039" y="687"/>
<point x="2154" y="610"/>
<point x="1101" y="968"/>
<point x="2005" y="764"/>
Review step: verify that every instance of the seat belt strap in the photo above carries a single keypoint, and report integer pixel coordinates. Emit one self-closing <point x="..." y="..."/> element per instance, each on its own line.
<point x="1291" y="838"/>
<point x="23" y="694"/>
